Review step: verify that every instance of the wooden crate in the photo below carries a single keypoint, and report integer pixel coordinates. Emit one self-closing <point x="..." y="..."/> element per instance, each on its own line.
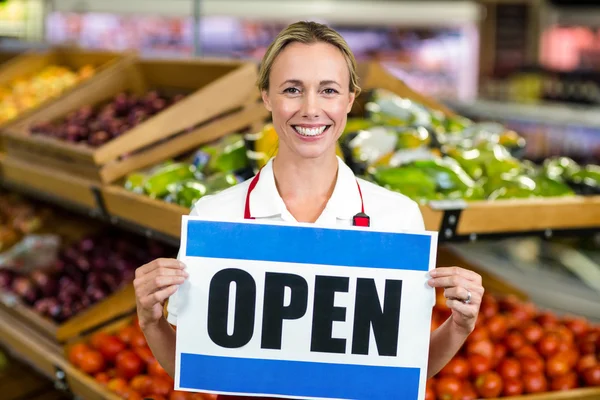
<point x="142" y="210"/>
<point x="221" y="98"/>
<point x="32" y="62"/>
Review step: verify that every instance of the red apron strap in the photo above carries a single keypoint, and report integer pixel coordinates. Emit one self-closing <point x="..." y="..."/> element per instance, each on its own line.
<point x="247" y="214"/>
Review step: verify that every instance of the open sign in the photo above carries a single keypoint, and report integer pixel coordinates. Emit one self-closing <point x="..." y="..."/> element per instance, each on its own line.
<point x="260" y="315"/>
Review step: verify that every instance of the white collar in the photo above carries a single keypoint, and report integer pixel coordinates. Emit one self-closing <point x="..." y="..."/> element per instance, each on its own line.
<point x="344" y="203"/>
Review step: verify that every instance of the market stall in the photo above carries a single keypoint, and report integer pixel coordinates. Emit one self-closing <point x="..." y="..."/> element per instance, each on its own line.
<point x="126" y="155"/>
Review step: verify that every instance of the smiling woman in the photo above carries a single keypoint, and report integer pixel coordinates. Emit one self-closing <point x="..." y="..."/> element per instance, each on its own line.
<point x="308" y="82"/>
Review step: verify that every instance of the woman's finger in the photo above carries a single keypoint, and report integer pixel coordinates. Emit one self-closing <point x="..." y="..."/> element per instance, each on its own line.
<point x="158" y="278"/>
<point x="158" y="297"/>
<point x="450" y="281"/>
<point x="458" y="293"/>
<point x="450" y="271"/>
<point x="466" y="310"/>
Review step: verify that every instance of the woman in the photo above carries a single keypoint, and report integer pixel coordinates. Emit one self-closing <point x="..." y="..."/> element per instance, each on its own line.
<point x="308" y="82"/>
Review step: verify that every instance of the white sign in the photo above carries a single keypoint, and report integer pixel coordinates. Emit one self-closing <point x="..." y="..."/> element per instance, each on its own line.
<point x="304" y="311"/>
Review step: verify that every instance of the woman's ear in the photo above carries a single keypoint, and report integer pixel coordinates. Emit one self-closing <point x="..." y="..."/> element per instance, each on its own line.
<point x="352" y="97"/>
<point x="266" y="100"/>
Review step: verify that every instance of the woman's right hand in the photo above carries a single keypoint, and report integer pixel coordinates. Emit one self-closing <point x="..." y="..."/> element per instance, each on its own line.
<point x="154" y="283"/>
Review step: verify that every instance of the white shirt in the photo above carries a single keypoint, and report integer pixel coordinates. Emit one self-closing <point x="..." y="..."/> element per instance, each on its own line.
<point x="387" y="210"/>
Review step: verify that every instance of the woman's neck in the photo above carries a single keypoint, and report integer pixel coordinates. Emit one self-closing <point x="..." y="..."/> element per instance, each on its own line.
<point x="305" y="185"/>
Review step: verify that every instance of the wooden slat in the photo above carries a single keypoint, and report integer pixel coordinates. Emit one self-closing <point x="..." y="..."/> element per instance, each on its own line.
<point x="209" y="102"/>
<point x="56" y="183"/>
<point x="182" y="143"/>
<point x="530" y="215"/>
<point x="144" y="211"/>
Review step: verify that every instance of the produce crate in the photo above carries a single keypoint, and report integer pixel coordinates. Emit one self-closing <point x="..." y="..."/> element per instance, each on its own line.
<point x="32" y="62"/>
<point x="47" y="182"/>
<point x="145" y="211"/>
<point x="220" y="97"/>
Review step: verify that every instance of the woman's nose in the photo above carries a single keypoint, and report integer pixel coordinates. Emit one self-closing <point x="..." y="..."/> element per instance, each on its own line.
<point x="310" y="106"/>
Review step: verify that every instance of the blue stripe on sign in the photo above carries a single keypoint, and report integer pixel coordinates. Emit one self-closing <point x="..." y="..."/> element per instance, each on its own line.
<point x="297" y="378"/>
<point x="352" y="248"/>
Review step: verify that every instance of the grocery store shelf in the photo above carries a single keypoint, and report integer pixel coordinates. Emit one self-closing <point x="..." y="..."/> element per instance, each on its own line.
<point x="71" y="193"/>
<point x="548" y="113"/>
<point x="413" y="13"/>
<point x="27" y="345"/>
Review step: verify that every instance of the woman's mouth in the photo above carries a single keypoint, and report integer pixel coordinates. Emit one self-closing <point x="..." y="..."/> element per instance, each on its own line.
<point x="313" y="131"/>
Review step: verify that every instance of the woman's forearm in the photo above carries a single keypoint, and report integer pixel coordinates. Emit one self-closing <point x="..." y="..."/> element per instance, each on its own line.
<point x="161" y="339"/>
<point x="445" y="342"/>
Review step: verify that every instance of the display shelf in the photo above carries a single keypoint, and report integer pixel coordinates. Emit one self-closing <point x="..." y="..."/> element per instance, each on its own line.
<point x="34" y="349"/>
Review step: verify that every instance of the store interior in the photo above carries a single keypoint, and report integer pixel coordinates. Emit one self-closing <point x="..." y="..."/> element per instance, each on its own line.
<point x="484" y="112"/>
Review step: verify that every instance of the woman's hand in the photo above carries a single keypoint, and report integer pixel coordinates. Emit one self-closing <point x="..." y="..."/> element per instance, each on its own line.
<point x="154" y="283"/>
<point x="463" y="290"/>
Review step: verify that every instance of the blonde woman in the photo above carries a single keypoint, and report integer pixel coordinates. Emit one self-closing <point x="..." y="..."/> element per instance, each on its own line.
<point x="308" y="82"/>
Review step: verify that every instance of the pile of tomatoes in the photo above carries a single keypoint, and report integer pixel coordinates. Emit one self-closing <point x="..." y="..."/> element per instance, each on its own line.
<point x="517" y="349"/>
<point x="123" y="363"/>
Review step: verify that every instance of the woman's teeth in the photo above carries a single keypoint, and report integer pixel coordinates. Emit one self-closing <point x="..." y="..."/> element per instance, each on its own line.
<point x="310" y="131"/>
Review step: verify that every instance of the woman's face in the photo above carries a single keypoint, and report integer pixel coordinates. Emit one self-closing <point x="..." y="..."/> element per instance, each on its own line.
<point x="309" y="98"/>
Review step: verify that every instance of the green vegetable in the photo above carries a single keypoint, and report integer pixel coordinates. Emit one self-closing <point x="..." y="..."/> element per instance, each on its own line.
<point x="135" y="182"/>
<point x="188" y="192"/>
<point x="157" y="185"/>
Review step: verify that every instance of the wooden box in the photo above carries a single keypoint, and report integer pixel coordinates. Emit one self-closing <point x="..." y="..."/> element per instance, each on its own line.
<point x="220" y="97"/>
<point x="32" y="62"/>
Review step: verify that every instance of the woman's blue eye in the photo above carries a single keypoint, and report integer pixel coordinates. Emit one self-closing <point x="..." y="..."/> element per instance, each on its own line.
<point x="290" y="90"/>
<point x="330" y="91"/>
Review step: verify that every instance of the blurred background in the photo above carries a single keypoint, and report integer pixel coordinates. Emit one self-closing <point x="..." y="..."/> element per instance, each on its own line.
<point x="533" y="64"/>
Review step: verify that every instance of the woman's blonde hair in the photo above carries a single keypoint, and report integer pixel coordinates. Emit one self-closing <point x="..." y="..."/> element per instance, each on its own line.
<point x="307" y="33"/>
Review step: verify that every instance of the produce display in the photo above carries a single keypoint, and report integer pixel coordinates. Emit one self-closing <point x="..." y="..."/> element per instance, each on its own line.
<point x="18" y="218"/>
<point x="405" y="147"/>
<point x="517" y="349"/>
<point x="98" y="125"/>
<point x="211" y="169"/>
<point x="85" y="273"/>
<point x="123" y="363"/>
<point x="30" y="91"/>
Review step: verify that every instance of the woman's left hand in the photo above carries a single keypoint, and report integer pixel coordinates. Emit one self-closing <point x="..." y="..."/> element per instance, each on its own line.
<point x="463" y="290"/>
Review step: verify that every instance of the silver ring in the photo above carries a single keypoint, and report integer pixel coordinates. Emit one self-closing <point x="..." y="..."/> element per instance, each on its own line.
<point x="468" y="300"/>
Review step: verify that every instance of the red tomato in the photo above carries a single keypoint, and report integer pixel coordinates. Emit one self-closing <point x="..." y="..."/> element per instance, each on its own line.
<point x="178" y="395"/>
<point x="92" y="362"/>
<point x="509" y="302"/>
<point x="482" y="347"/>
<point x="497" y="326"/>
<point x="129" y="364"/>
<point x="102" y="378"/>
<point x="76" y="353"/>
<point x="535" y="383"/>
<point x="110" y="347"/>
<point x="499" y="354"/>
<point x="97" y="339"/>
<point x="589" y="342"/>
<point x="489" y="306"/>
<point x="557" y="365"/>
<point x="479" y="364"/>
<point x="578" y="325"/>
<point x="156" y="370"/>
<point x="585" y="362"/>
<point x="145" y="354"/>
<point x="524" y="312"/>
<point x="533" y="332"/>
<point x="509" y="368"/>
<point x="531" y="365"/>
<point x="527" y="351"/>
<point x="448" y="387"/>
<point x="547" y="319"/>
<point x="489" y="384"/>
<point x="565" y="382"/>
<point x="591" y="376"/>
<point x="161" y="387"/>
<point x="458" y="367"/>
<point x="548" y="344"/>
<point x="479" y="333"/>
<point x="117" y="385"/>
<point x="430" y="390"/>
<point x="514" y="340"/>
<point x="512" y="322"/>
<point x="138" y="340"/>
<point x="141" y="384"/>
<point x="126" y="333"/>
<point x="467" y="392"/>
<point x="512" y="387"/>
<point x="130" y="394"/>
